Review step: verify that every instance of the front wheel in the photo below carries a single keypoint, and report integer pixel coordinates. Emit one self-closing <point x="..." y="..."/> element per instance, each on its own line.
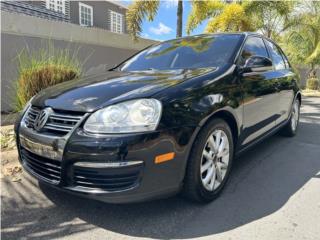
<point x="210" y="162"/>
<point x="290" y="129"/>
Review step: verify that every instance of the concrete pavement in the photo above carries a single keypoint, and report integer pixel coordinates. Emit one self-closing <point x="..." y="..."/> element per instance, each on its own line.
<point x="273" y="193"/>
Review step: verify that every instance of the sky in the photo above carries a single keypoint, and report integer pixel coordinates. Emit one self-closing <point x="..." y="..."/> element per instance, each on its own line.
<point x="164" y="25"/>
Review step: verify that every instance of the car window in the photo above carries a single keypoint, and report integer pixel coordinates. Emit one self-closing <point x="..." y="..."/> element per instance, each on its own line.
<point x="186" y="53"/>
<point x="276" y="56"/>
<point x="285" y="59"/>
<point x="254" y="46"/>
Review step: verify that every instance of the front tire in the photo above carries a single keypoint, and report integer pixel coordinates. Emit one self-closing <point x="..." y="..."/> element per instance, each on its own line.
<point x="290" y="129"/>
<point x="210" y="162"/>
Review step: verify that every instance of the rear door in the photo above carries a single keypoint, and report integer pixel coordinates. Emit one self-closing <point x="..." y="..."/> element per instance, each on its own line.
<point x="284" y="80"/>
<point x="260" y="95"/>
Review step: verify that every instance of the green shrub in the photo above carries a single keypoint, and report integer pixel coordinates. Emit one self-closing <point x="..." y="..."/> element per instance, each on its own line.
<point x="43" y="68"/>
<point x="313" y="84"/>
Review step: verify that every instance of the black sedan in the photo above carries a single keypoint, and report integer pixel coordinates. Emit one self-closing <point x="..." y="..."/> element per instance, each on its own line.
<point x="171" y="118"/>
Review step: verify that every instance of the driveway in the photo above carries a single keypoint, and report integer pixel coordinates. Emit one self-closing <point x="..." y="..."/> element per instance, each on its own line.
<point x="273" y="193"/>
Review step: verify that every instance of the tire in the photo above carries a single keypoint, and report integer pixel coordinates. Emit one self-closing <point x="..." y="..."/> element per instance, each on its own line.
<point x="194" y="186"/>
<point x="290" y="129"/>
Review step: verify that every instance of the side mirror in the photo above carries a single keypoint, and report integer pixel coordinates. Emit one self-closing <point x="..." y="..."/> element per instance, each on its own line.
<point x="257" y="64"/>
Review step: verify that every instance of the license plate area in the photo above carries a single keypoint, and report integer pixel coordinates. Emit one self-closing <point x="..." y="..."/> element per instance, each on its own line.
<point x="39" y="148"/>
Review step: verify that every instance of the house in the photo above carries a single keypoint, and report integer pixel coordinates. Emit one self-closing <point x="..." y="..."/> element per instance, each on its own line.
<point x="109" y="15"/>
<point x="32" y="9"/>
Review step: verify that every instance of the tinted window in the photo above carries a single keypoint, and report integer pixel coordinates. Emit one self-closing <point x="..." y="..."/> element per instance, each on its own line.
<point x="191" y="52"/>
<point x="285" y="59"/>
<point x="254" y="46"/>
<point x="276" y="56"/>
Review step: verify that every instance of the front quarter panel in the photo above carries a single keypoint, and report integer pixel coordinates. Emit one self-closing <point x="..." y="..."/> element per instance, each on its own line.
<point x="193" y="102"/>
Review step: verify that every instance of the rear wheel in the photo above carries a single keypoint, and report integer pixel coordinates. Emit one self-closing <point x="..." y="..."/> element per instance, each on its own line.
<point x="290" y="129"/>
<point x="210" y="162"/>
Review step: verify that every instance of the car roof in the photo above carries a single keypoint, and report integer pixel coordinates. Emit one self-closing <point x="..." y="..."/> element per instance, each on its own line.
<point x="228" y="33"/>
<point x="219" y="33"/>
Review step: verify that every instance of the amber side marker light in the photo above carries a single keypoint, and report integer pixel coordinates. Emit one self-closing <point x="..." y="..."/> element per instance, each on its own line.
<point x="164" y="157"/>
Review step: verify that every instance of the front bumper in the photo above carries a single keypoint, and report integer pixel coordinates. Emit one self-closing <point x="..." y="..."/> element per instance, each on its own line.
<point x="110" y="168"/>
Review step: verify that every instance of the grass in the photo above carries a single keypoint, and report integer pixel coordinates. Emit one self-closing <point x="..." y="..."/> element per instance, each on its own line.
<point x="311" y="93"/>
<point x="313" y="83"/>
<point x="42" y="68"/>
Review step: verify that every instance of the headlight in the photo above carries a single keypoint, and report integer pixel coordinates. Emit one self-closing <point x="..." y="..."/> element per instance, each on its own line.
<point x="139" y="115"/>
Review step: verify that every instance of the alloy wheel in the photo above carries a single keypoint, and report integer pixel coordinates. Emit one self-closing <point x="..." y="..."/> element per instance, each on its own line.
<point x="295" y="115"/>
<point x="215" y="160"/>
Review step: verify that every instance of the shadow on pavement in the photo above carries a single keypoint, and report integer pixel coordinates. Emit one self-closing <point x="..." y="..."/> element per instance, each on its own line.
<point x="27" y="219"/>
<point x="262" y="181"/>
<point x="311" y="101"/>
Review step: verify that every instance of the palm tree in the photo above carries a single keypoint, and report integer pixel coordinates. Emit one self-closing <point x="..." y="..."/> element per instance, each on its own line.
<point x="270" y="17"/>
<point x="140" y="9"/>
<point x="202" y="10"/>
<point x="179" y="18"/>
<point x="303" y="37"/>
<point x="265" y="16"/>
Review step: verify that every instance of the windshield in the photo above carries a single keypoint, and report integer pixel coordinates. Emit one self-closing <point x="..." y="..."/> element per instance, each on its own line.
<point x="191" y="52"/>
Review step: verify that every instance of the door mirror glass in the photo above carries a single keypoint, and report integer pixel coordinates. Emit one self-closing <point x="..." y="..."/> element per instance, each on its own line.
<point x="257" y="64"/>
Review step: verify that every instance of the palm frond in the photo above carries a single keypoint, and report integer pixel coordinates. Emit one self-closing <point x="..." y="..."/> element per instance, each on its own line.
<point x="314" y="58"/>
<point x="202" y="10"/>
<point x="137" y="11"/>
<point x="233" y="18"/>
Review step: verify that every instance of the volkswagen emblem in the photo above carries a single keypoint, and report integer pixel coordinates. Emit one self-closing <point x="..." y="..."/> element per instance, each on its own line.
<point x="42" y="119"/>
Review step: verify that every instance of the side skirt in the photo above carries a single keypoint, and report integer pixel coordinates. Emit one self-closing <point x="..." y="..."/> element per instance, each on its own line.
<point x="261" y="138"/>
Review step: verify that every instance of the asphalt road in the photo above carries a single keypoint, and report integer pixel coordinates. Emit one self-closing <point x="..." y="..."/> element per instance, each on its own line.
<point x="273" y="193"/>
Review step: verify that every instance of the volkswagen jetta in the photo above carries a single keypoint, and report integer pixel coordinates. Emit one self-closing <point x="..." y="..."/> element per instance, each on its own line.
<point x="171" y="118"/>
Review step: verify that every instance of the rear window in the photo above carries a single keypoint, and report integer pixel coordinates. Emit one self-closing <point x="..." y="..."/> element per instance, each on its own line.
<point x="276" y="56"/>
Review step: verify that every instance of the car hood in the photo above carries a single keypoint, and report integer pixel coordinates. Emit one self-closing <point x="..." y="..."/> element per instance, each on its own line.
<point x="94" y="92"/>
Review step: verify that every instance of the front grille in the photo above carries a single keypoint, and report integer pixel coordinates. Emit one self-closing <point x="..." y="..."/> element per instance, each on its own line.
<point x="48" y="169"/>
<point x="107" y="179"/>
<point x="31" y="115"/>
<point x="57" y="123"/>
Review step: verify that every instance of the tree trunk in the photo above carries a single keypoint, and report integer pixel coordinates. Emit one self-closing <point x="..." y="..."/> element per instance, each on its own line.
<point x="179" y="18"/>
<point x="312" y="73"/>
<point x="269" y="33"/>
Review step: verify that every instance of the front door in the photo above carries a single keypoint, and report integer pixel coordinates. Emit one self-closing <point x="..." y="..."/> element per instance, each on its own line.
<point x="260" y="95"/>
<point x="284" y="78"/>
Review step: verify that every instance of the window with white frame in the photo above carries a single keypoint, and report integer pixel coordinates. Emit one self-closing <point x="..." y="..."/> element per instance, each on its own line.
<point x="56" y="5"/>
<point x="116" y="22"/>
<point x="85" y="15"/>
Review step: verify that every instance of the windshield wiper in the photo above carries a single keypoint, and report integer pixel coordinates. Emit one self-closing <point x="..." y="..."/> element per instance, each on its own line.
<point x="150" y="69"/>
<point x="114" y="69"/>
